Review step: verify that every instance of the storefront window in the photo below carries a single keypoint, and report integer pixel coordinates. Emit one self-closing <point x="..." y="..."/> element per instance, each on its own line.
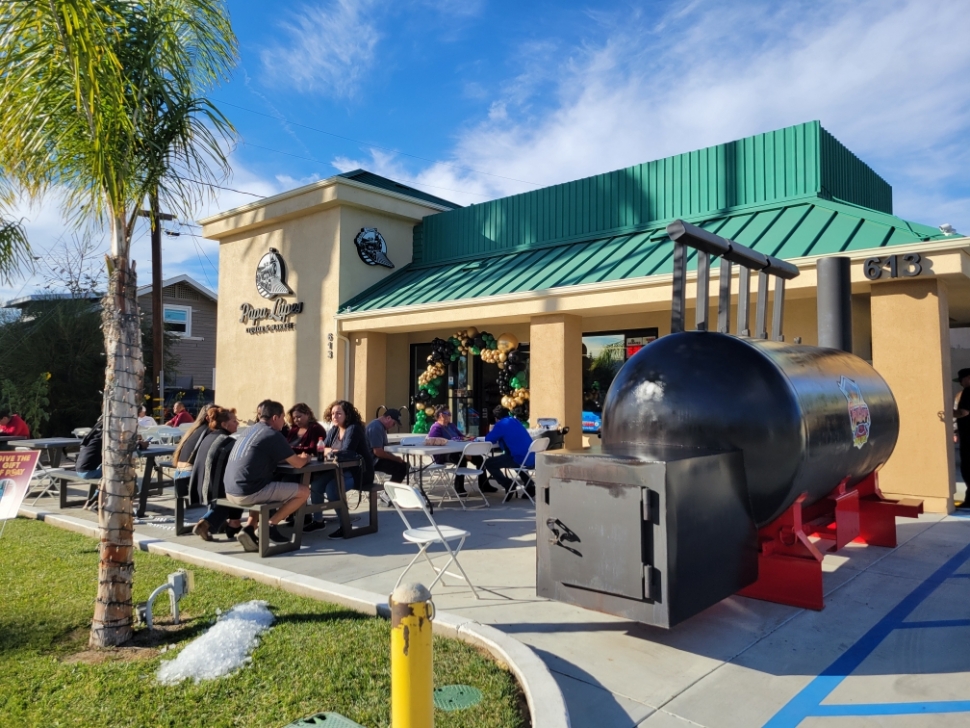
<point x="603" y="356"/>
<point x="470" y="387"/>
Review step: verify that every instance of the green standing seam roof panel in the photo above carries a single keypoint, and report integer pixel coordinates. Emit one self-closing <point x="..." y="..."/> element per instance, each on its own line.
<point x="800" y="228"/>
<point x="783" y="165"/>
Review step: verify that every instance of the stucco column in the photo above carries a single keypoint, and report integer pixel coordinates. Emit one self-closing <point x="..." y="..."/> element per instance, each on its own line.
<point x="556" y="372"/>
<point x="911" y="350"/>
<point x="370" y="372"/>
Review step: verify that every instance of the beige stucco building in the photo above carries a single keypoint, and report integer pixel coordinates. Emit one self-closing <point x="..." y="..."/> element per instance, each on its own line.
<point x="561" y="266"/>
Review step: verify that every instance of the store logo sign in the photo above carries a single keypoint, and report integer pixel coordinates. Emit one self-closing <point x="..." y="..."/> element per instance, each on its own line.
<point x="271" y="276"/>
<point x="271" y="284"/>
<point x="372" y="248"/>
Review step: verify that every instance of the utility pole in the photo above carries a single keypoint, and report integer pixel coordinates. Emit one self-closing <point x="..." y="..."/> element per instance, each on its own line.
<point x="158" y="333"/>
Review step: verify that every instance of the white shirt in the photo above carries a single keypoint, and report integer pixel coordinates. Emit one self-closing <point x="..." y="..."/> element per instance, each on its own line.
<point x="147" y="421"/>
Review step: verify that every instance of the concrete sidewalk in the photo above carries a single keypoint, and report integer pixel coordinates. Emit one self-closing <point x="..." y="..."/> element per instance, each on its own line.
<point x="892" y="645"/>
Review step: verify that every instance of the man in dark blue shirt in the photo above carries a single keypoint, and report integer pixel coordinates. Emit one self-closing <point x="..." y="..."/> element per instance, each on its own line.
<point x="515" y="442"/>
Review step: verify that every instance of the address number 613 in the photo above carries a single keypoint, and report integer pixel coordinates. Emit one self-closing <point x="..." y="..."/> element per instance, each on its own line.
<point x="906" y="266"/>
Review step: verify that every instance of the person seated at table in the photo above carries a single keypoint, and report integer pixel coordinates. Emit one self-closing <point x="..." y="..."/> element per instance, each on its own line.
<point x="88" y="462"/>
<point x="515" y="442"/>
<point x="144" y="419"/>
<point x="304" y="432"/>
<point x="444" y="428"/>
<point x="384" y="461"/>
<point x="182" y="416"/>
<point x="345" y="439"/>
<point x="250" y="473"/>
<point x="183" y="456"/>
<point x="220" y="422"/>
<point x="11" y="424"/>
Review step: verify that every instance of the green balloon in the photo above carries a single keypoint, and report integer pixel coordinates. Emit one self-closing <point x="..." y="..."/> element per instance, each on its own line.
<point x="476" y="351"/>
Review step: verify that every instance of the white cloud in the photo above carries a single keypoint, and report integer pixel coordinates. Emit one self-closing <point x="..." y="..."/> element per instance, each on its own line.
<point x="327" y="48"/>
<point x="890" y="79"/>
<point x="188" y="253"/>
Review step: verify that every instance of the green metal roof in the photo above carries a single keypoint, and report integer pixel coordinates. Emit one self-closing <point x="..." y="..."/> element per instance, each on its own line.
<point x="375" y="180"/>
<point x="782" y="165"/>
<point x="807" y="227"/>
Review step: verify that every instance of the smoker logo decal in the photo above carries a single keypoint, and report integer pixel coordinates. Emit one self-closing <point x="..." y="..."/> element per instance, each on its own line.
<point x="859" y="417"/>
<point x="271" y="275"/>
<point x="372" y="248"/>
<point x="271" y="283"/>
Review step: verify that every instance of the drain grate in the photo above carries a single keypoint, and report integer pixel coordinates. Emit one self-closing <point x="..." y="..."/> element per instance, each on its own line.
<point x="326" y="720"/>
<point x="456" y="697"/>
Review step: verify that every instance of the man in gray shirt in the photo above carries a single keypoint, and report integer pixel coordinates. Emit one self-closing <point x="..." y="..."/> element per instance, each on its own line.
<point x="249" y="477"/>
<point x="385" y="462"/>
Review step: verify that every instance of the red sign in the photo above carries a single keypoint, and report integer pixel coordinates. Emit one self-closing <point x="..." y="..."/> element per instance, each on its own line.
<point x="16" y="470"/>
<point x="635" y="343"/>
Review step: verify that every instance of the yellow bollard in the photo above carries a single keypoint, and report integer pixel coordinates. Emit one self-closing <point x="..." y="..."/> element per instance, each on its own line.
<point x="412" y="685"/>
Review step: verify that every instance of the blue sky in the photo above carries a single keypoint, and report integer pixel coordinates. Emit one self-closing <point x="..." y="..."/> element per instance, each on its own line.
<point x="480" y="99"/>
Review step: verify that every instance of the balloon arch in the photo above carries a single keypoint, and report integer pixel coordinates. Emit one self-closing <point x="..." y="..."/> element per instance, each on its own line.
<point x="503" y="351"/>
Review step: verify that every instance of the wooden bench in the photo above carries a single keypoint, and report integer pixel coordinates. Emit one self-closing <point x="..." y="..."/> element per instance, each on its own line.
<point x="63" y="476"/>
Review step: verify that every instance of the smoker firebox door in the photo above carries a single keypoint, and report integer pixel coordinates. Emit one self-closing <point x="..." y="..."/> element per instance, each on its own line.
<point x="655" y="540"/>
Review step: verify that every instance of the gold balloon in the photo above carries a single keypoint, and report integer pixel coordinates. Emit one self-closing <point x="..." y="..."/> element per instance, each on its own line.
<point x="503" y="356"/>
<point x="419" y="406"/>
<point x="507" y="342"/>
<point x="471" y="332"/>
<point x="501" y="365"/>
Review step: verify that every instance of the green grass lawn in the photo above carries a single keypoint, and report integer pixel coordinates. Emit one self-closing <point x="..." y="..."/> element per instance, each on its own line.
<point x="316" y="657"/>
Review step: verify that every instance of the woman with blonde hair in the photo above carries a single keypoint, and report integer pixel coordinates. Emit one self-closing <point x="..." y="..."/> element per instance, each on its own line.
<point x="184" y="455"/>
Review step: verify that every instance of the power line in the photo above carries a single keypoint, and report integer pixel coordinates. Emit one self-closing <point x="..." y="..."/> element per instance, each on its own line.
<point x="375" y="146"/>
<point x="220" y="187"/>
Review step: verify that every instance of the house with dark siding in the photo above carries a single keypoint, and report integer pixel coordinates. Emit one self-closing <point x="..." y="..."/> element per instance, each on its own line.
<point x="188" y="311"/>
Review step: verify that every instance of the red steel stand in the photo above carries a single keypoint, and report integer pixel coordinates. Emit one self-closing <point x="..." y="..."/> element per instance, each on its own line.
<point x="790" y="562"/>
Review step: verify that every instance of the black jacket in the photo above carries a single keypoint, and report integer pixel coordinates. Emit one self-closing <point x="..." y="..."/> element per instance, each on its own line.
<point x="355" y="440"/>
<point x="89" y="456"/>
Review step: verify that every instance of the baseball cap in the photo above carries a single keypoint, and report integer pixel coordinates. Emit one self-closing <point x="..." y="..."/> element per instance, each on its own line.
<point x="394" y="414"/>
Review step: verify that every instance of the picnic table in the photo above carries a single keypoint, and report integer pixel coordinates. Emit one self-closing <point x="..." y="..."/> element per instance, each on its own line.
<point x="8" y="442"/>
<point x="340" y="505"/>
<point x="150" y="454"/>
<point x="54" y="447"/>
<point x="266" y="545"/>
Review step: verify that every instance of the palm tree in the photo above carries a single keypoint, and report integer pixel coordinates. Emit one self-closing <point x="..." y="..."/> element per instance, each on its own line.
<point x="103" y="100"/>
<point x="14" y="248"/>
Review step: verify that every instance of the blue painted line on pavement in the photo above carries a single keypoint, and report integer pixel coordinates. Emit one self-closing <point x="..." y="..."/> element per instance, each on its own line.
<point x="808" y="702"/>
<point x="942" y="706"/>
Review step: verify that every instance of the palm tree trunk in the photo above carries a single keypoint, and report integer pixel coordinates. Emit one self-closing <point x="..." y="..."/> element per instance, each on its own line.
<point x="124" y="378"/>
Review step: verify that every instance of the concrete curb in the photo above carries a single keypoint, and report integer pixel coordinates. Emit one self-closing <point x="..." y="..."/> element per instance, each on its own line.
<point x="547" y="708"/>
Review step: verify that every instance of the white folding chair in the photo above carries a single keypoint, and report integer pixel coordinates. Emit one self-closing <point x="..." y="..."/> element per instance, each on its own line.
<point x="518" y="486"/>
<point x="469" y="474"/>
<point x="406" y="498"/>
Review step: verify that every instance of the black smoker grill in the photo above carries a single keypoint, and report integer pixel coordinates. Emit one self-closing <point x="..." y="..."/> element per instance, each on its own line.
<point x="721" y="456"/>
